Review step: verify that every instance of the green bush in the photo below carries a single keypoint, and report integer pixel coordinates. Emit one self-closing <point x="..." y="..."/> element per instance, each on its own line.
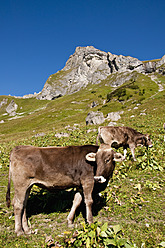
<point x="96" y="235"/>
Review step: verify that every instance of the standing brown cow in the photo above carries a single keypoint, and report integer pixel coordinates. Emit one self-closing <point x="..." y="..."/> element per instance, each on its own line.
<point x="58" y="168"/>
<point x="123" y="136"/>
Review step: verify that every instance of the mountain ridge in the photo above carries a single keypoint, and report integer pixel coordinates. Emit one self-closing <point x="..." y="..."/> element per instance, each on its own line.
<point x="88" y="65"/>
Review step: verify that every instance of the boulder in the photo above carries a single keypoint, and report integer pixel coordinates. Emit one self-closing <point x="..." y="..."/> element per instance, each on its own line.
<point x="112" y="124"/>
<point x="95" y="118"/>
<point x="114" y="116"/>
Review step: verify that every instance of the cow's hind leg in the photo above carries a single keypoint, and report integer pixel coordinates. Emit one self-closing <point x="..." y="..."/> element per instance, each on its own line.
<point x="76" y="203"/>
<point x="18" y="204"/>
<point x="24" y="218"/>
<point x="20" y="198"/>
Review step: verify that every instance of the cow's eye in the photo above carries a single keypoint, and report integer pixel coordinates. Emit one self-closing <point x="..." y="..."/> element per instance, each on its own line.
<point x="107" y="160"/>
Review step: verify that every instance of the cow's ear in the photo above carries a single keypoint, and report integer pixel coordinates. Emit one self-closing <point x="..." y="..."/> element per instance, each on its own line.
<point x="118" y="157"/>
<point x="91" y="157"/>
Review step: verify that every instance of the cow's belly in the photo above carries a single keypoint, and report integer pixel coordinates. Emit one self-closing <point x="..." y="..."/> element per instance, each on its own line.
<point x="58" y="182"/>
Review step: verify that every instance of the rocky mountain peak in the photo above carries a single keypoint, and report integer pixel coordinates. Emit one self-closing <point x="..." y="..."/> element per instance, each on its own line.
<point x="90" y="65"/>
<point x="84" y="55"/>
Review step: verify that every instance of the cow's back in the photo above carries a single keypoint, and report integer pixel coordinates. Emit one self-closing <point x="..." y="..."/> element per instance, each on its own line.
<point x="111" y="135"/>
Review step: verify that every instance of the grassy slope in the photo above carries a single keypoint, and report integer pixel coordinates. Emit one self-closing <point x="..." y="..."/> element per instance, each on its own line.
<point x="137" y="208"/>
<point x="69" y="109"/>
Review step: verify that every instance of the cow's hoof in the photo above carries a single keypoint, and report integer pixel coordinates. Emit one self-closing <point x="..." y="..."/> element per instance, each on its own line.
<point x="20" y="233"/>
<point x="90" y="222"/>
<point x="28" y="231"/>
<point x="70" y="224"/>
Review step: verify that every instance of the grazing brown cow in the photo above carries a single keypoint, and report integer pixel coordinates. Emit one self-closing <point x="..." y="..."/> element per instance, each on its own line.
<point x="123" y="136"/>
<point x="58" y="168"/>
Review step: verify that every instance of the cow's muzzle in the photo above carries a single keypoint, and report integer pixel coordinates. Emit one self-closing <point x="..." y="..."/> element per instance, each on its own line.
<point x="100" y="179"/>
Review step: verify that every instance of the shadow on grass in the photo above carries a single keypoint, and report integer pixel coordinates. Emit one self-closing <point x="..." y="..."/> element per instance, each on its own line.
<point x="46" y="202"/>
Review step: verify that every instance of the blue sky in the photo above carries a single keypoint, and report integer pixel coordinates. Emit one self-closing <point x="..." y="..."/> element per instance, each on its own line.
<point x="38" y="36"/>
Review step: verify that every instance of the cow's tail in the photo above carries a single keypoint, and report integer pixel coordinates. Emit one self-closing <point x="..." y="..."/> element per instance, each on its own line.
<point x="8" y="188"/>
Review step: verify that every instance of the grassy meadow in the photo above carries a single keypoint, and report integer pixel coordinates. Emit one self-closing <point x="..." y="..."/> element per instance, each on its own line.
<point x="130" y="212"/>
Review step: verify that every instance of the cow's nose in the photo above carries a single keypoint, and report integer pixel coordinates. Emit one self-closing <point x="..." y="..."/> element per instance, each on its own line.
<point x="100" y="179"/>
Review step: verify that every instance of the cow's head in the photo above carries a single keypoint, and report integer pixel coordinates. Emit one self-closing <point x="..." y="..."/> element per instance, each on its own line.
<point x="105" y="158"/>
<point x="144" y="140"/>
<point x="147" y="141"/>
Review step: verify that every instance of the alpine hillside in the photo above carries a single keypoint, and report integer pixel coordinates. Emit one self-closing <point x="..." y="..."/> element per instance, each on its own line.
<point x="94" y="88"/>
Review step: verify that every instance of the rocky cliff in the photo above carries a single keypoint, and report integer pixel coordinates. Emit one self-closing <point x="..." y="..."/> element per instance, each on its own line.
<point x="90" y="65"/>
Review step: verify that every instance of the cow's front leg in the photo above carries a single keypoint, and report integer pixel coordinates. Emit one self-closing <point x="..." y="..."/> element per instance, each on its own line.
<point x="25" y="226"/>
<point x="76" y="203"/>
<point x="125" y="152"/>
<point x="87" y="190"/>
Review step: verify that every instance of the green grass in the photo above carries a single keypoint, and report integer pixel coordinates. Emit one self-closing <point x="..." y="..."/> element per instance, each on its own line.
<point x="48" y="115"/>
<point x="134" y="197"/>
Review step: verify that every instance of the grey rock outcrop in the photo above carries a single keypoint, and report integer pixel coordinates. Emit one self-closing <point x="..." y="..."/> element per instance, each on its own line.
<point x="3" y="102"/>
<point x="90" y="65"/>
<point x="161" y="61"/>
<point x="95" y="118"/>
<point x="161" y="66"/>
<point x="12" y="108"/>
<point x="149" y="67"/>
<point x="98" y="117"/>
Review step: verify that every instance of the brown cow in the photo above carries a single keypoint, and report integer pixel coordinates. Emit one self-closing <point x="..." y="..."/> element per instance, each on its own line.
<point x="123" y="136"/>
<point x="58" y="168"/>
